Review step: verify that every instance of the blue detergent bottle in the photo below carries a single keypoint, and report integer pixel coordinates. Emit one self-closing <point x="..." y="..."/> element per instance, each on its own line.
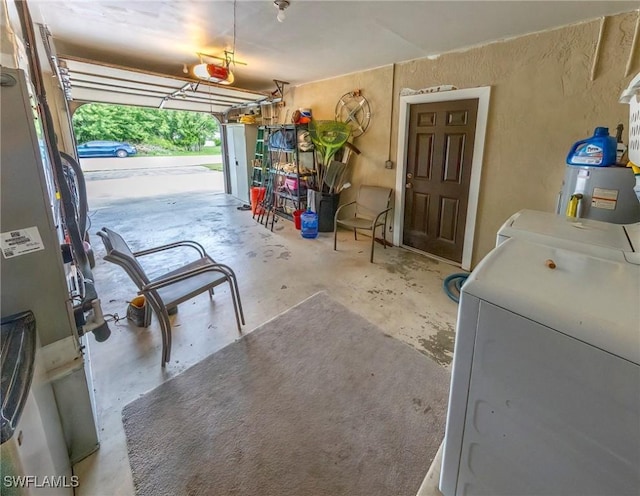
<point x="597" y="151"/>
<point x="309" y="224"/>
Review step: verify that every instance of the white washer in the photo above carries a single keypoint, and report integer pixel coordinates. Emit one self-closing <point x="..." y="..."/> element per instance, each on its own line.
<point x="545" y="392"/>
<point x="602" y="239"/>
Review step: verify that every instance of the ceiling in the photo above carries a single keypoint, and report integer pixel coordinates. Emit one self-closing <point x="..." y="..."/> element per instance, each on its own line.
<point x="317" y="40"/>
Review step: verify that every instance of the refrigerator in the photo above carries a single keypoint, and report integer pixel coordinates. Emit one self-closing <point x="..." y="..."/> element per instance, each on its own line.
<point x="59" y="415"/>
<point x="545" y="392"/>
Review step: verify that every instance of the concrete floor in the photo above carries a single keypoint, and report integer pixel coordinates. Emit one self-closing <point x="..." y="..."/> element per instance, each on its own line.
<point x="401" y="293"/>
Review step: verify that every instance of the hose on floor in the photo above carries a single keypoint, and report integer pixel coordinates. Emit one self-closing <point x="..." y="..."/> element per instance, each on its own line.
<point x="452" y="285"/>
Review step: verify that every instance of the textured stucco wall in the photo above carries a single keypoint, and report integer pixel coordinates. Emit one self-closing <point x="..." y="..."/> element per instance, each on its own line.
<point x="322" y="97"/>
<point x="542" y="100"/>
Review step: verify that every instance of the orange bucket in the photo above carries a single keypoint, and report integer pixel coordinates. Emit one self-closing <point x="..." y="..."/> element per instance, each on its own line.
<point x="257" y="195"/>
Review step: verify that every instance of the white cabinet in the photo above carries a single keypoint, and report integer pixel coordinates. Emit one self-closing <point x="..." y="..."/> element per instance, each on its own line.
<point x="241" y="144"/>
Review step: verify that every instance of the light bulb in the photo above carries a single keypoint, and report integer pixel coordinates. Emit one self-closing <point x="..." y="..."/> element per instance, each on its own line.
<point x="200" y="71"/>
<point x="281" y="15"/>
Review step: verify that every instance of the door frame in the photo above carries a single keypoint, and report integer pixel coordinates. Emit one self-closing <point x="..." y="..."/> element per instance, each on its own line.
<point x="483" y="96"/>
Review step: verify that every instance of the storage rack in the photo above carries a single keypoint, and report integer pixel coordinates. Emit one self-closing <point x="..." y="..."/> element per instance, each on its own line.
<point x="286" y="188"/>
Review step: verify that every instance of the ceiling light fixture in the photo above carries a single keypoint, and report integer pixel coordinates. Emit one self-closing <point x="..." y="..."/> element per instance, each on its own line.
<point x="220" y="74"/>
<point x="281" y="6"/>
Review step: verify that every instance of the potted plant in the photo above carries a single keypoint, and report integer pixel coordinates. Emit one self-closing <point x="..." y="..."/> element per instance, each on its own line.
<point x="328" y="138"/>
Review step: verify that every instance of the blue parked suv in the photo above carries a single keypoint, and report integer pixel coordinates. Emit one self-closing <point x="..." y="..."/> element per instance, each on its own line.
<point x="105" y="149"/>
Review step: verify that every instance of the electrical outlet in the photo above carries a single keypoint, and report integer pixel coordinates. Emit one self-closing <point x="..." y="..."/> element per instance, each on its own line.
<point x="388" y="164"/>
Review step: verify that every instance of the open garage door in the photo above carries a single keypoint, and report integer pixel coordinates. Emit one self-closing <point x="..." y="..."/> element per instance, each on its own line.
<point x="88" y="81"/>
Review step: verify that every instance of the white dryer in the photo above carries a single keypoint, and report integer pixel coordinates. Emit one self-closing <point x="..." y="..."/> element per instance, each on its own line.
<point x="545" y="391"/>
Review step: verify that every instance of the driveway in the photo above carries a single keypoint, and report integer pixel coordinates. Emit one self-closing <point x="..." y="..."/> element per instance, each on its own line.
<point x="119" y="179"/>
<point x="131" y="163"/>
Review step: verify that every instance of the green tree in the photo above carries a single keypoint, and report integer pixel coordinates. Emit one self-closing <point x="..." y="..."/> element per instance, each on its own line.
<point x="186" y="130"/>
<point x="189" y="130"/>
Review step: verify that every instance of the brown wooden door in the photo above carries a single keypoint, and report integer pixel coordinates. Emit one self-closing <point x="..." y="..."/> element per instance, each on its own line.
<point x="438" y="176"/>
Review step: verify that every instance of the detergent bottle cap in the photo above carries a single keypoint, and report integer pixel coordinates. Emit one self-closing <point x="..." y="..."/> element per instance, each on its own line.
<point x="601" y="131"/>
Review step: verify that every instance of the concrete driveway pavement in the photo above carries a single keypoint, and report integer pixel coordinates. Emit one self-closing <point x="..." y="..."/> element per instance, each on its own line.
<point x="120" y="179"/>
<point x="130" y="163"/>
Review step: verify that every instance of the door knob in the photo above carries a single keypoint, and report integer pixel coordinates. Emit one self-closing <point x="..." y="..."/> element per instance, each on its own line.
<point x="409" y="176"/>
<point x="408" y="185"/>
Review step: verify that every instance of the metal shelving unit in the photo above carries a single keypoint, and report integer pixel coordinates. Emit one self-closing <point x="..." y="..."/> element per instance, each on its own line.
<point x="289" y="169"/>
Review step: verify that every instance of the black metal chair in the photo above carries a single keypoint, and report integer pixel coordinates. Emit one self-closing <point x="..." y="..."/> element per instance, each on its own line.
<point x="166" y="292"/>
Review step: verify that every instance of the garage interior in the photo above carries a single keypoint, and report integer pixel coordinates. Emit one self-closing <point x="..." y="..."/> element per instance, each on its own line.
<point x="544" y="74"/>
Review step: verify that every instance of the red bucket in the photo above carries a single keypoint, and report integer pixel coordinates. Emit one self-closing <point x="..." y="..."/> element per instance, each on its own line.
<point x="296" y="218"/>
